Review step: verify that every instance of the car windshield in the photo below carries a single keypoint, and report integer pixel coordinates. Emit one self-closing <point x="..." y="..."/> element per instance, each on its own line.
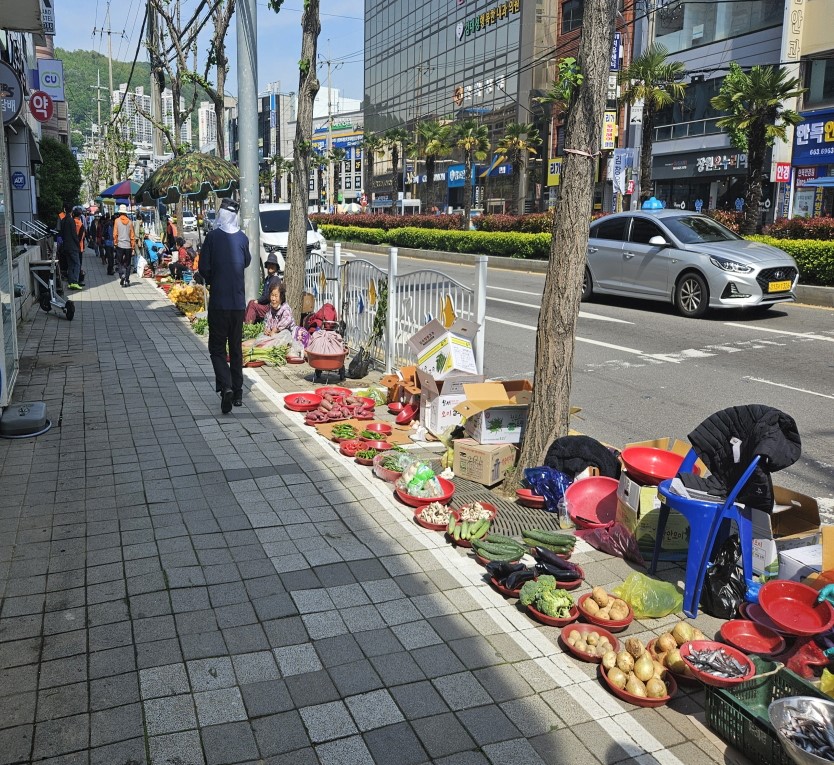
<point x="698" y="229"/>
<point x="277" y="221"/>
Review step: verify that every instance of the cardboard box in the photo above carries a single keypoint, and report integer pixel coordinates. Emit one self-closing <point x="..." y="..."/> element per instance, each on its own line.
<point x="827" y="532"/>
<point x="438" y="399"/>
<point x="486" y="464"/>
<point x="443" y="352"/>
<point x="402" y="386"/>
<point x="801" y="562"/>
<point x="496" y="412"/>
<point x="638" y="509"/>
<point x="794" y="522"/>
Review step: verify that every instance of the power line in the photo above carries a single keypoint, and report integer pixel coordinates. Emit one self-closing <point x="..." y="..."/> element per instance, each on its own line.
<point x="132" y="68"/>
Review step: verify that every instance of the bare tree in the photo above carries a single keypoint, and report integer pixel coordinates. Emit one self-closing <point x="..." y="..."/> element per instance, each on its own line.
<point x="555" y="339"/>
<point x="308" y="86"/>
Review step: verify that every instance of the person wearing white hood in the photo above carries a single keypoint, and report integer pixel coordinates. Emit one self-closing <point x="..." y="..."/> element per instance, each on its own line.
<point x="224" y="257"/>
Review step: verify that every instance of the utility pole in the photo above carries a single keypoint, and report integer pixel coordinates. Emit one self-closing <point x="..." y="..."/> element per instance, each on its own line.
<point x="109" y="33"/>
<point x="331" y="197"/>
<point x="156" y="93"/>
<point x="98" y="87"/>
<point x="247" y="111"/>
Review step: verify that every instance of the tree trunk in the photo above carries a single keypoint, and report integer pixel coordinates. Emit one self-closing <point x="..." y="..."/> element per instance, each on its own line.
<point x="550" y="408"/>
<point x="519" y="197"/>
<point x="430" y="163"/>
<point x="646" y="149"/>
<point x="395" y="166"/>
<point x="308" y="86"/>
<point x="219" y="104"/>
<point x="467" y="190"/>
<point x="756" y="150"/>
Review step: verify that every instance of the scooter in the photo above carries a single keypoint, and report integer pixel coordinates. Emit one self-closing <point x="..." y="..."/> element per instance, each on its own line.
<point x="49" y="297"/>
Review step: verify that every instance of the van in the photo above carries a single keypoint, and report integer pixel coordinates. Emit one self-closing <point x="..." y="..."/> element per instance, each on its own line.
<point x="275" y="228"/>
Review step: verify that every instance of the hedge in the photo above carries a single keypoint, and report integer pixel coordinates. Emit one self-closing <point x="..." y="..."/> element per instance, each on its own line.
<point x="802" y="228"/>
<point x="814" y="258"/>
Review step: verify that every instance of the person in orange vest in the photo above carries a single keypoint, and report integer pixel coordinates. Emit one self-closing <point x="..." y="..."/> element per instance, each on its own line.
<point x="124" y="239"/>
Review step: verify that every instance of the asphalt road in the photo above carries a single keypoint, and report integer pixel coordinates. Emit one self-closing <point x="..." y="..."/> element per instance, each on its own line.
<point x="641" y="371"/>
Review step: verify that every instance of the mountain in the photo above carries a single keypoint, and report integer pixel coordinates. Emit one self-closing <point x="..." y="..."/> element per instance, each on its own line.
<point x="81" y="69"/>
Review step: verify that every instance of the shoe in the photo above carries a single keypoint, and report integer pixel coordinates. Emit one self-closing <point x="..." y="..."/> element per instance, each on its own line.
<point x="226" y="401"/>
<point x="127" y="282"/>
<point x="111" y="273"/>
<point x="238" y="400"/>
<point x="75" y="286"/>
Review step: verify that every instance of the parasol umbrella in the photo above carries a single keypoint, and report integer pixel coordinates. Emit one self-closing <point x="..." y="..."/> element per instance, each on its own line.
<point x="125" y="188"/>
<point x="192" y="175"/>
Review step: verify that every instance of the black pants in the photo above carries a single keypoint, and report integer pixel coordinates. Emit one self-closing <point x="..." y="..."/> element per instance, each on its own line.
<point x="109" y="254"/>
<point x="223" y="327"/>
<point x="125" y="258"/>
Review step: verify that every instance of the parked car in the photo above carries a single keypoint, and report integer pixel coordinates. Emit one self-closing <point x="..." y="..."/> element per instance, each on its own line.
<point x="189" y="220"/>
<point x="688" y="259"/>
<point x="275" y="231"/>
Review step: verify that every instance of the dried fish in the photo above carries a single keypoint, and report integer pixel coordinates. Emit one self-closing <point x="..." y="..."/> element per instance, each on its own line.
<point x="718" y="663"/>
<point x="811" y="734"/>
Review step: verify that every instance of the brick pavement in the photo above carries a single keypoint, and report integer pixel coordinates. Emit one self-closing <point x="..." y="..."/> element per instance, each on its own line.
<point x="186" y="588"/>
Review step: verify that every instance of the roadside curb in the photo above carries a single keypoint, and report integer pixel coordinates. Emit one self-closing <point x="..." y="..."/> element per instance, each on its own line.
<point x="805" y="293"/>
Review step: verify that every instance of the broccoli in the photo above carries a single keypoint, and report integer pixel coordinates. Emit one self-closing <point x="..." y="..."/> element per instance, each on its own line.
<point x="529" y="591"/>
<point x="546" y="582"/>
<point x="555" y="603"/>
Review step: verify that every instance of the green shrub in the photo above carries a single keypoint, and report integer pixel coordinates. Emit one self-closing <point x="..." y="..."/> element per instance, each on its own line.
<point x="814" y="258"/>
<point x="802" y="228"/>
<point x="354" y="234"/>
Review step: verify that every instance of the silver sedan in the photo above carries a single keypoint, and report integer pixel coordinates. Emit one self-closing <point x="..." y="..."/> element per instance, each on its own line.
<point x="687" y="259"/>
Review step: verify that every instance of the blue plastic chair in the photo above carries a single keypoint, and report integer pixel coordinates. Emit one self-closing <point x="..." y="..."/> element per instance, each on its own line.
<point x="706" y="521"/>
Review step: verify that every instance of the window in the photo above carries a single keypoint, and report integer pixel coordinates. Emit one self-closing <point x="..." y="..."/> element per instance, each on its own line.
<point x="572" y="15"/>
<point x="643" y="230"/>
<point x="613" y="228"/>
<point x="819" y="79"/>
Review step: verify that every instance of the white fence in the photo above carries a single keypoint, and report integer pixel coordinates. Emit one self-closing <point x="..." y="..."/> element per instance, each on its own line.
<point x="359" y="289"/>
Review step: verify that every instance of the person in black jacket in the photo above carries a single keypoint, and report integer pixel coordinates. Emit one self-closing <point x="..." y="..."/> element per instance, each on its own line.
<point x="256" y="309"/>
<point x="71" y="245"/>
<point x="224" y="258"/>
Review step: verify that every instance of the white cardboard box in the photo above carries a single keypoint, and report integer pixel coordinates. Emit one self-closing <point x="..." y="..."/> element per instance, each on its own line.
<point x="800" y="562"/>
<point x="496" y="412"/>
<point x="638" y="509"/>
<point x="438" y="399"/>
<point x="443" y="352"/>
<point x="794" y="522"/>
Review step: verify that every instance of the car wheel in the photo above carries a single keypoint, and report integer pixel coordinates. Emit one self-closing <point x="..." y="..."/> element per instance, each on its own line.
<point x="587" y="286"/>
<point x="692" y="296"/>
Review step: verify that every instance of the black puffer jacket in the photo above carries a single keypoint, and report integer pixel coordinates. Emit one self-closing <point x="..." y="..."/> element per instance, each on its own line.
<point x="572" y="454"/>
<point x="761" y="430"/>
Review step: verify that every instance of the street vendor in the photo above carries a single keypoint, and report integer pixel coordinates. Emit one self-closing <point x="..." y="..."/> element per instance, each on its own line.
<point x="278" y="317"/>
<point x="153" y="251"/>
<point x="256" y="309"/>
<point x="181" y="259"/>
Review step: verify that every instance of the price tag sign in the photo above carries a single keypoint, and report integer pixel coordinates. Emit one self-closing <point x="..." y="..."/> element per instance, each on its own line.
<point x="42" y="106"/>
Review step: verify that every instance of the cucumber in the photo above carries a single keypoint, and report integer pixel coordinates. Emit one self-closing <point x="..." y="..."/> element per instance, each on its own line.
<point x="514" y="552"/>
<point x="498" y="538"/>
<point x="456" y="533"/>
<point x="451" y="527"/>
<point x="505" y="557"/>
<point x="561" y="549"/>
<point x="464" y="533"/>
<point x="480" y="530"/>
<point x="549" y="537"/>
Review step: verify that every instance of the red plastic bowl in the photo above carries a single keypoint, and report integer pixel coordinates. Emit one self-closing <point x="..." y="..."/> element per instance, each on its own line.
<point x="610" y="625"/>
<point x="586" y="629"/>
<point x="592" y="502"/>
<point x="640" y="701"/>
<point x="367" y="401"/>
<point x="491" y="509"/>
<point x="750" y="637"/>
<point x="380" y="428"/>
<point x="754" y="612"/>
<point x="349" y="448"/>
<point x="550" y="621"/>
<point x="364" y="461"/>
<point x="395" y="407"/>
<point x="380" y="446"/>
<point x="406" y="415"/>
<point x="446" y="486"/>
<point x="333" y="390"/>
<point x="505" y="591"/>
<point x="651" y="466"/>
<point x="427" y="524"/>
<point x="705" y="677"/>
<point x="793" y="607"/>
<point x="302" y="402"/>
<point x="527" y="498"/>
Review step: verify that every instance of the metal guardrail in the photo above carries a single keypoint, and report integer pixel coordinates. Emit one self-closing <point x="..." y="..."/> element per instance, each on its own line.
<point x="413" y="300"/>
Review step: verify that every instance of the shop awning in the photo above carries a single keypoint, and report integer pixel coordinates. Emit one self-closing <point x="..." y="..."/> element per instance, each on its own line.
<point x="823" y="182"/>
<point x="21" y="16"/>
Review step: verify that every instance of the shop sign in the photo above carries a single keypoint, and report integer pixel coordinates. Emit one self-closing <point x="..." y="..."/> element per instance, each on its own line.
<point x="487" y="18"/>
<point x="623" y="168"/>
<point x="813" y="139"/>
<point x="616" y="51"/>
<point x="636" y="117"/>
<point x="11" y="93"/>
<point x="554" y="171"/>
<point x="805" y="174"/>
<point x="457" y="176"/>
<point x="719" y="163"/>
<point x="18" y="180"/>
<point x="41" y="106"/>
<point x="783" y="172"/>
<point x="609" y="131"/>
<point x="51" y="77"/>
<point x="48" y="17"/>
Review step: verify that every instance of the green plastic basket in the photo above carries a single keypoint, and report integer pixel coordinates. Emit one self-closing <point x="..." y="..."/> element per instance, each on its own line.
<point x="739" y="714"/>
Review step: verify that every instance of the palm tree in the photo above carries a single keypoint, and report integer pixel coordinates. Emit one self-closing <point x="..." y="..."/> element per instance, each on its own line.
<point x="373" y="146"/>
<point x="265" y="182"/>
<point x="434" y="139"/>
<point x="517" y="144"/>
<point x="280" y="168"/>
<point x="337" y="156"/>
<point x="656" y="82"/>
<point x="473" y="139"/>
<point x="395" y="140"/>
<point x="319" y="163"/>
<point x="756" y="117"/>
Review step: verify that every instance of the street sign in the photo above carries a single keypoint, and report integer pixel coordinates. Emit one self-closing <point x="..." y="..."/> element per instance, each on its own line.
<point x="18" y="180"/>
<point x="609" y="131"/>
<point x="41" y="106"/>
<point x="783" y="172"/>
<point x="636" y="117"/>
<point x="11" y="93"/>
<point x="616" y="50"/>
<point x="51" y="77"/>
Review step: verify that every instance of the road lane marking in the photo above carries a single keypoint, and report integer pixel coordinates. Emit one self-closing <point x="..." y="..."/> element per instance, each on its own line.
<point x="582" y="314"/>
<point x="622" y="348"/>
<point x="789" y="387"/>
<point x="756" y="328"/>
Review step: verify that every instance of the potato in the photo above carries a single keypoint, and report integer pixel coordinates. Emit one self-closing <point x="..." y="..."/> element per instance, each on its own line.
<point x="592" y="638"/>
<point x="600" y="596"/>
<point x="666" y="642"/>
<point x="591" y="606"/>
<point x="625" y="661"/>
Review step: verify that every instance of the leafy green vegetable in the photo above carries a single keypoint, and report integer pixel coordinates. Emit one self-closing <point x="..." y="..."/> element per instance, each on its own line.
<point x="367" y="454"/>
<point x="200" y="326"/>
<point x="275" y="355"/>
<point x="528" y="593"/>
<point x="555" y="603"/>
<point x="251" y="331"/>
<point x="440" y="362"/>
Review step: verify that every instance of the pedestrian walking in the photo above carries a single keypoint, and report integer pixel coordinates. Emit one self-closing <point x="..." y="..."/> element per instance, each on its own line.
<point x="59" y="241"/>
<point x="71" y="246"/>
<point x="125" y="241"/>
<point x="256" y="309"/>
<point x="223" y="259"/>
<point x="107" y="243"/>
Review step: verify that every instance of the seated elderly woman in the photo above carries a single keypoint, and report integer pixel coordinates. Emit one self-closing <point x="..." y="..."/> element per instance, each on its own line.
<point x="279" y="326"/>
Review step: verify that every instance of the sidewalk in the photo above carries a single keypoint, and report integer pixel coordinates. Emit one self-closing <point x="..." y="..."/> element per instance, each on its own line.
<point x="182" y="587"/>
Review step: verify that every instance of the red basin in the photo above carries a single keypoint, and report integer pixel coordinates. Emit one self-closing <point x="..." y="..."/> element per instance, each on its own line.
<point x="648" y="465"/>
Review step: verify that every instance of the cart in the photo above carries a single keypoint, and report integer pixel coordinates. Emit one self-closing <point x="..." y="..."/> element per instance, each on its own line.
<point x="47" y="279"/>
<point x="328" y="362"/>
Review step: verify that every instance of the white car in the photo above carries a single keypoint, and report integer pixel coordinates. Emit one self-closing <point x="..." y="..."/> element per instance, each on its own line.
<point x="189" y="221"/>
<point x="275" y="228"/>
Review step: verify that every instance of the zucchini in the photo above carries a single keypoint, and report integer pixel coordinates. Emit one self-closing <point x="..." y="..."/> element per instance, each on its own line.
<point x="563" y="549"/>
<point x="499" y="538"/>
<point x="506" y="557"/>
<point x="549" y="537"/>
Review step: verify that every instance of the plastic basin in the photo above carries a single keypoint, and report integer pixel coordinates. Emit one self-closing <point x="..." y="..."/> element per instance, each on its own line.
<point x="592" y="502"/>
<point x="750" y="637"/>
<point x="793" y="607"/>
<point x="302" y="402"/>
<point x="707" y="678"/>
<point x="649" y="465"/>
<point x="446" y="486"/>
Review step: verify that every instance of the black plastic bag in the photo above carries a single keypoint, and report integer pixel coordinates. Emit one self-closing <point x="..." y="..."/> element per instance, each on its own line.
<point x="360" y="365"/>
<point x="724" y="585"/>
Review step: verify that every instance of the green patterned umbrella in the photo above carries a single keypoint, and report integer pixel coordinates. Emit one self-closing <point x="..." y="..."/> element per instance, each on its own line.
<point x="192" y="175"/>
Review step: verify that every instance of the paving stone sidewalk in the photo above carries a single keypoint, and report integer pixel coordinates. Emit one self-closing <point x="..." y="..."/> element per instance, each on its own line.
<point x="181" y="587"/>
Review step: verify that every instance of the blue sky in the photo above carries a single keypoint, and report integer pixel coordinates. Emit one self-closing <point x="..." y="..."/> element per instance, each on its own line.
<point x="279" y="38"/>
